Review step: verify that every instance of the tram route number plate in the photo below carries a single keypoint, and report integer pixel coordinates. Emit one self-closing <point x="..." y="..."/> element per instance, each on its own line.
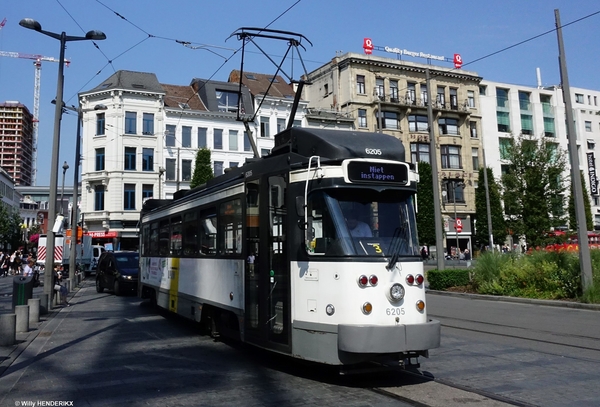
<point x="394" y="311"/>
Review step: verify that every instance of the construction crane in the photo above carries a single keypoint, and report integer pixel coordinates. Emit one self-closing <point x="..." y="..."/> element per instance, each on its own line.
<point x="36" y="96"/>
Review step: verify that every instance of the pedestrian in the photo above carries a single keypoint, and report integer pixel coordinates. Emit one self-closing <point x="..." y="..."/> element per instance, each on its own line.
<point x="251" y="260"/>
<point x="28" y="268"/>
<point x="424" y="254"/>
<point x="59" y="288"/>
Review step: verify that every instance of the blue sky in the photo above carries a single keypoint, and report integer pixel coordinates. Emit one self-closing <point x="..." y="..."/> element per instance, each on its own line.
<point x="142" y="34"/>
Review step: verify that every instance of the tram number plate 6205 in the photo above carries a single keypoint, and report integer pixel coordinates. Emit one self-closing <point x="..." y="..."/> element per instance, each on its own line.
<point x="394" y="311"/>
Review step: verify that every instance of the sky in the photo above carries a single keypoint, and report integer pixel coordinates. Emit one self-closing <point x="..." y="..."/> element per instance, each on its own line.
<point x="502" y="41"/>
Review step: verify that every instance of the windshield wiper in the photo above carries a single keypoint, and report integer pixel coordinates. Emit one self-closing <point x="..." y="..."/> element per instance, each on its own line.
<point x="397" y="244"/>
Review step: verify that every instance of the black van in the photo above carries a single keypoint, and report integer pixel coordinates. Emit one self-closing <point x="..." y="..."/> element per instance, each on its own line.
<point x="118" y="271"/>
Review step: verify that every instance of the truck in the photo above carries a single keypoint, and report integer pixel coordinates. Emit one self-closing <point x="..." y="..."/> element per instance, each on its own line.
<point x="62" y="252"/>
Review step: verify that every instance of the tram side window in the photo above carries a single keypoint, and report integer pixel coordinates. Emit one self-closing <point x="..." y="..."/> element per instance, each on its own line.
<point x="145" y="249"/>
<point x="208" y="232"/>
<point x="230" y="227"/>
<point x="164" y="238"/>
<point x="323" y="231"/>
<point x="154" y="250"/>
<point x="191" y="236"/>
<point x="176" y="236"/>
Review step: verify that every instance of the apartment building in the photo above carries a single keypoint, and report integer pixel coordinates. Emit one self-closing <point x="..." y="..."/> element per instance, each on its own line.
<point x="391" y="96"/>
<point x="16" y="142"/>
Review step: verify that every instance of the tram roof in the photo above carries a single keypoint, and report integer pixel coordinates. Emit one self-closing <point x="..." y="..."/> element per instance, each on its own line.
<point x="338" y="144"/>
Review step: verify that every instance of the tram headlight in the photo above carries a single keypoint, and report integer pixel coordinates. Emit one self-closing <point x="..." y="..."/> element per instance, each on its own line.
<point x="330" y="309"/>
<point x="396" y="292"/>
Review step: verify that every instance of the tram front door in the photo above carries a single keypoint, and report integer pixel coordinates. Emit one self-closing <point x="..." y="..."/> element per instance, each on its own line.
<point x="267" y="285"/>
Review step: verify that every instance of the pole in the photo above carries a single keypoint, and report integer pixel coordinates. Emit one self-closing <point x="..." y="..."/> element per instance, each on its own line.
<point x="582" y="237"/>
<point x="455" y="228"/>
<point x="74" y="228"/>
<point x="49" y="264"/>
<point x="65" y="167"/>
<point x="487" y="200"/>
<point x="437" y="204"/>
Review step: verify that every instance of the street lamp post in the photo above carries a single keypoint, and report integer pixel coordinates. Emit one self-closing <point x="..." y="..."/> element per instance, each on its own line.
<point x="454" y="186"/>
<point x="161" y="171"/>
<point x="65" y="167"/>
<point x="63" y="38"/>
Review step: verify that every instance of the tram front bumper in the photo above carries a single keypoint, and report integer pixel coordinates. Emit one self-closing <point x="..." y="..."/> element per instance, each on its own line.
<point x="389" y="339"/>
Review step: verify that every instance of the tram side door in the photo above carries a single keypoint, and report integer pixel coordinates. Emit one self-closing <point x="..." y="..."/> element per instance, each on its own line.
<point x="267" y="272"/>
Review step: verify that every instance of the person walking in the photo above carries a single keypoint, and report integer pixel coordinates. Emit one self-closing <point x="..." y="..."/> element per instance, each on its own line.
<point x="28" y="268"/>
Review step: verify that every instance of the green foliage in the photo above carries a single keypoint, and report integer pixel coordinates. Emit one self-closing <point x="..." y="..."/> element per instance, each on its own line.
<point x="533" y="188"/>
<point x="10" y="227"/>
<point x="482" y="236"/>
<point x="425" y="204"/>
<point x="443" y="279"/>
<point x="203" y="169"/>
<point x="587" y="206"/>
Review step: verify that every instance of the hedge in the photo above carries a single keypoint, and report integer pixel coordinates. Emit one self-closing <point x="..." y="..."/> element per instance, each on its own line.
<point x="442" y="279"/>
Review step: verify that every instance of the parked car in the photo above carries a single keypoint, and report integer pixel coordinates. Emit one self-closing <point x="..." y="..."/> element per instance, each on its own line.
<point x="118" y="271"/>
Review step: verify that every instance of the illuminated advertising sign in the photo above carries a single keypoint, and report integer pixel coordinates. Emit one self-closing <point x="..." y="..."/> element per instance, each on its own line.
<point x="368" y="46"/>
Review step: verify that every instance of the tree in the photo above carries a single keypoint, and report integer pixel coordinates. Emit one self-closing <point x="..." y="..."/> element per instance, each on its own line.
<point x="425" y="206"/>
<point x="482" y="236"/>
<point x="10" y="227"/>
<point x="203" y="169"/>
<point x="589" y="221"/>
<point x="533" y="187"/>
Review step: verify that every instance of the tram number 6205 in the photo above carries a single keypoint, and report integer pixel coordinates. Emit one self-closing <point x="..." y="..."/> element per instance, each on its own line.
<point x="394" y="311"/>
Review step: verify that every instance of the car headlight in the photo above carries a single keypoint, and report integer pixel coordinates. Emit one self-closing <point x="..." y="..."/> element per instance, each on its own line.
<point x="126" y="277"/>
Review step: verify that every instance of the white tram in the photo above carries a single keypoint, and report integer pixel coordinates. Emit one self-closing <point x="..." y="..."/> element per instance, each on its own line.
<point x="323" y="286"/>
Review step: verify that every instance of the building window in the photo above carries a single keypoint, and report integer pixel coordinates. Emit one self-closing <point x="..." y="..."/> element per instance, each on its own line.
<point x="129" y="159"/>
<point x="546" y="104"/>
<point x="280" y="125"/>
<point x="325" y="89"/>
<point x="394" y="91"/>
<point x="475" y="157"/>
<point x="233" y="140"/>
<point x="454" y="190"/>
<point x="100" y="124"/>
<point x="218" y="168"/>
<point x="450" y="157"/>
<point x="417" y="123"/>
<point x="147" y="159"/>
<point x="389" y="121"/>
<point x="170" y="169"/>
<point x="147" y="191"/>
<point x="186" y="136"/>
<point x="549" y="127"/>
<point x="148" y="124"/>
<point x="411" y="93"/>
<point x="130" y="123"/>
<point x="362" y="118"/>
<point x="524" y="103"/>
<point x="453" y="98"/>
<point x="218" y="139"/>
<point x="424" y="95"/>
<point x="247" y="145"/>
<point x="501" y="97"/>
<point x="448" y="126"/>
<point x="526" y="124"/>
<point x="202" y="137"/>
<point x="379" y="88"/>
<point x="471" y="98"/>
<point x="228" y="101"/>
<point x="441" y="96"/>
<point x="578" y="98"/>
<point x="264" y="127"/>
<point x="360" y="85"/>
<point x="588" y="126"/>
<point x="129" y="197"/>
<point x="233" y="164"/>
<point x="100" y="161"/>
<point x="419" y="152"/>
<point x="473" y="129"/>
<point x="483" y="90"/>
<point x="505" y="144"/>
<point x="99" y="198"/>
<point x="503" y="122"/>
<point x="186" y="170"/>
<point x="170" y="136"/>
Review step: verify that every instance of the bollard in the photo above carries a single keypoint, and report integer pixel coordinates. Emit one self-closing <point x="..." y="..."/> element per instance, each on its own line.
<point x="8" y="329"/>
<point x="43" y="304"/>
<point x="34" y="310"/>
<point x="22" y="312"/>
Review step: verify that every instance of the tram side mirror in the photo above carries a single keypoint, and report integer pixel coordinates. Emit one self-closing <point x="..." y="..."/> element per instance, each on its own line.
<point x="300" y="206"/>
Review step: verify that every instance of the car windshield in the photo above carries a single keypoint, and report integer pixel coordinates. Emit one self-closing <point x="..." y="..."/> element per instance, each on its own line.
<point x="128" y="261"/>
<point x="362" y="222"/>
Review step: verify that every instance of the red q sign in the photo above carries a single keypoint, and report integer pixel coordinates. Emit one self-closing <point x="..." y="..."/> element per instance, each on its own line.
<point x="368" y="46"/>
<point x="457" y="61"/>
<point x="458" y="225"/>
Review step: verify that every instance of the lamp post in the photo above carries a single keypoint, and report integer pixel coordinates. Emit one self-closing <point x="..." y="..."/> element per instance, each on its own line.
<point x="65" y="167"/>
<point x="161" y="171"/>
<point x="63" y="38"/>
<point x="454" y="186"/>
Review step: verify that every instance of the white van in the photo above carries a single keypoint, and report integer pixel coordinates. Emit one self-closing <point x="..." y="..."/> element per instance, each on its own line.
<point x="97" y="250"/>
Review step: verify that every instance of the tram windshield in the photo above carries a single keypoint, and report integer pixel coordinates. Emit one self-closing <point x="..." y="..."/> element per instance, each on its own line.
<point x="362" y="222"/>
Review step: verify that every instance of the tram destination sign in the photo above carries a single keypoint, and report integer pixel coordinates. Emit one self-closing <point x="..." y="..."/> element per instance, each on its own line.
<point x="376" y="172"/>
